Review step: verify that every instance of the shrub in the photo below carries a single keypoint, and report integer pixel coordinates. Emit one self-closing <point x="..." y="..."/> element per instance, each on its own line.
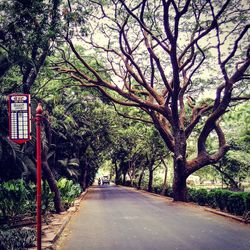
<point x="233" y="202"/>
<point x="198" y="195"/>
<point x="201" y="196"/>
<point x="157" y="189"/>
<point x="191" y="195"/>
<point x="128" y="183"/>
<point x="47" y="198"/>
<point x="16" y="197"/>
<point x="69" y="191"/>
<point x="221" y="197"/>
<point x="169" y="192"/>
<point x="211" y="200"/>
<point x="236" y="203"/>
<point x="247" y="201"/>
<point x="17" y="238"/>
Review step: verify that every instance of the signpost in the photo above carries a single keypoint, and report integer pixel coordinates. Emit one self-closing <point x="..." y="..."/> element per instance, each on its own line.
<point x="39" y="111"/>
<point x="20" y="132"/>
<point x="19" y="118"/>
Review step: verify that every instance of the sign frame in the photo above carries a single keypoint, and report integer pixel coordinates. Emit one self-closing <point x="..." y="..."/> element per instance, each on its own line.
<point x="22" y="116"/>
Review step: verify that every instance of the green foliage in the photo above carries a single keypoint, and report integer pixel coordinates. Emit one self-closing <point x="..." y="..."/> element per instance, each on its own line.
<point x="135" y="146"/>
<point x="16" y="198"/>
<point x="19" y="239"/>
<point x="247" y="200"/>
<point x="157" y="189"/>
<point x="211" y="200"/>
<point x="235" y="163"/>
<point x="201" y="197"/>
<point x="207" y="173"/>
<point x="26" y="28"/>
<point x="233" y="202"/>
<point x="69" y="191"/>
<point x="221" y="197"/>
<point x="236" y="204"/>
<point x="169" y="192"/>
<point x="198" y="195"/>
<point x="47" y="198"/>
<point x="85" y="133"/>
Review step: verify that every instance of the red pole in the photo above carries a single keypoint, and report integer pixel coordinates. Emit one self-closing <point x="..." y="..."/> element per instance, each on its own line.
<point x="39" y="111"/>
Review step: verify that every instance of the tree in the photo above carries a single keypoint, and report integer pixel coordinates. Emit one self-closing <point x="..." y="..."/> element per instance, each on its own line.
<point x="135" y="147"/>
<point x="163" y="56"/>
<point x="27" y="32"/>
<point x="234" y="166"/>
<point x="80" y="124"/>
<point x="126" y="147"/>
<point x="155" y="152"/>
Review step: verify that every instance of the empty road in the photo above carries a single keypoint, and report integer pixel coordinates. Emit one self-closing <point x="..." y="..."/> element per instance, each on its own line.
<point x="117" y="218"/>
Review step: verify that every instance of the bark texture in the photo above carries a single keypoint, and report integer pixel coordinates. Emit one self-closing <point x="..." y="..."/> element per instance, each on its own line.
<point x="51" y="181"/>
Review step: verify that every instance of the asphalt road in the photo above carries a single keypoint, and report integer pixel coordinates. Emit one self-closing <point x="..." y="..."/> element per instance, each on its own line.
<point x="117" y="218"/>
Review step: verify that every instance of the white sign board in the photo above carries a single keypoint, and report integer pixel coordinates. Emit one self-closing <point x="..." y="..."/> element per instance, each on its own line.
<point x="19" y="118"/>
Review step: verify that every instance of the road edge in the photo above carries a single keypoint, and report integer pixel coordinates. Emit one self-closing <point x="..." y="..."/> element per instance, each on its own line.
<point x="208" y="209"/>
<point x="51" y="243"/>
<point x="71" y="211"/>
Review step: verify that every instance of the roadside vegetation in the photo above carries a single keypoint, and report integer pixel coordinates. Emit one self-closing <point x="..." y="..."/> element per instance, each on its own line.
<point x="129" y="99"/>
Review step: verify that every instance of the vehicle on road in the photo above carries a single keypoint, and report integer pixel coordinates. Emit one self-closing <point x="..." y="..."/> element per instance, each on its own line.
<point x="105" y="180"/>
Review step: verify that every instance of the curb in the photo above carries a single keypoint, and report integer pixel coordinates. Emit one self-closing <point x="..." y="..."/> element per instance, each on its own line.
<point x="211" y="210"/>
<point x="66" y="221"/>
<point x="238" y="218"/>
<point x="60" y="230"/>
<point x="146" y="192"/>
<point x="157" y="195"/>
<point x="50" y="243"/>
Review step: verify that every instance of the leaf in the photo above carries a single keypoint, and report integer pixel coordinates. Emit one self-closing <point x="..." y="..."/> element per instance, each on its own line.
<point x="64" y="162"/>
<point x="74" y="162"/>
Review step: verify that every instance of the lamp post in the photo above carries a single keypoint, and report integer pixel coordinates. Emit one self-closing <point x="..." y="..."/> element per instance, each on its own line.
<point x="39" y="111"/>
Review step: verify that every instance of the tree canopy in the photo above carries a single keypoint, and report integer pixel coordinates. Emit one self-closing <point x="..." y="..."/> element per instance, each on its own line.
<point x="180" y="66"/>
<point x="184" y="63"/>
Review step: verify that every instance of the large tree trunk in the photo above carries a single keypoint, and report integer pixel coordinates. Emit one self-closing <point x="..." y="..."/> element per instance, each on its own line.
<point x="164" y="188"/>
<point x="141" y="177"/>
<point x="179" y="184"/>
<point x="124" y="179"/>
<point x="130" y="173"/>
<point x="53" y="186"/>
<point x="180" y="172"/>
<point x="151" y="177"/>
<point x="117" y="174"/>
<point x="124" y="169"/>
<point x="84" y="174"/>
<point x="84" y="179"/>
<point x="150" y="181"/>
<point x="132" y="167"/>
<point x="47" y="171"/>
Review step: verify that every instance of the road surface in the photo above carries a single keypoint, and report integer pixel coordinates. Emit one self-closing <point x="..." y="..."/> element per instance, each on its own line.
<point x="116" y="218"/>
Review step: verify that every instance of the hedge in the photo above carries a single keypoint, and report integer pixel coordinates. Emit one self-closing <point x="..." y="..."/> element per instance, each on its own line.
<point x="237" y="203"/>
<point x="233" y="202"/>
